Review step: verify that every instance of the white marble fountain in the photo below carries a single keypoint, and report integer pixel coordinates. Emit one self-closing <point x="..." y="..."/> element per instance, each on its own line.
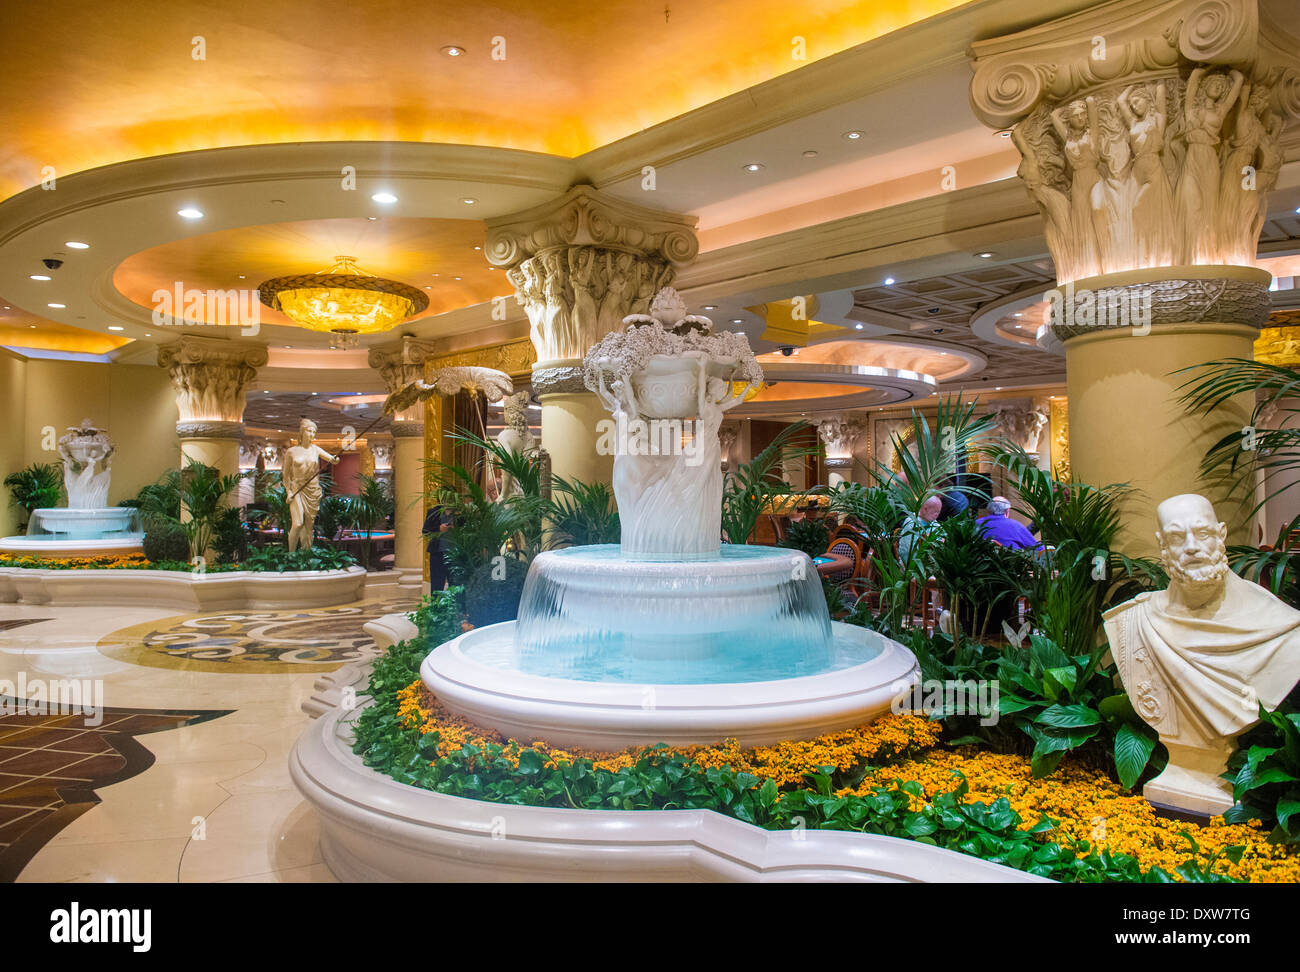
<point x="670" y="636"/>
<point x="87" y="526"/>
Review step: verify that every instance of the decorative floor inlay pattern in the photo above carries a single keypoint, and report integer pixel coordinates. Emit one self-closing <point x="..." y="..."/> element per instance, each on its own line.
<point x="20" y="622"/>
<point x="50" y="766"/>
<point x="315" y="640"/>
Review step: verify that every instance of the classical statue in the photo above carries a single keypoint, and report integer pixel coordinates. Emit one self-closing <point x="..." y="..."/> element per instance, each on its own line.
<point x="1199" y="658"/>
<point x="516" y="437"/>
<point x="1079" y="129"/>
<point x="1206" y="103"/>
<point x="1153" y="206"/>
<point x="300" y="473"/>
<point x="87" y="454"/>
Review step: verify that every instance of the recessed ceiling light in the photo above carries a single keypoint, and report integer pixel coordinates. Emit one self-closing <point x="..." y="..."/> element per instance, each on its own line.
<point x="1297" y="209"/>
<point x="114" y="327"/>
<point x="31" y="325"/>
<point x="1016" y="314"/>
<point x="288" y="347"/>
<point x="710" y="306"/>
<point x="453" y="50"/>
<point x="57" y="306"/>
<point x="737" y="321"/>
<point x="889" y="281"/>
<point x="372" y="218"/>
<point x="986" y="255"/>
<point x="457" y="278"/>
<point x="478" y="247"/>
<point x="77" y="245"/>
<point x="853" y="136"/>
<point x="39" y="276"/>
<point x="1005" y="133"/>
<point x="810" y="153"/>
<point x="753" y="166"/>
<point x="386" y="198"/>
<point x="189" y="212"/>
<point x="857" y="327"/>
<point x="469" y="200"/>
<point x="147" y="334"/>
<point x="428" y="286"/>
<point x="313" y="393"/>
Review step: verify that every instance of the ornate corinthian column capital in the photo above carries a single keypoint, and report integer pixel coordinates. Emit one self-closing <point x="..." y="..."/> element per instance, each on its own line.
<point x="210" y="376"/>
<point x="1148" y="131"/>
<point x="838" y="434"/>
<point x="401" y="363"/>
<point x="583" y="262"/>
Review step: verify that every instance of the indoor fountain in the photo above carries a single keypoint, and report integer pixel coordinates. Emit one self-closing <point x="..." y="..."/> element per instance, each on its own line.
<point x="669" y="636"/>
<point x="87" y="526"/>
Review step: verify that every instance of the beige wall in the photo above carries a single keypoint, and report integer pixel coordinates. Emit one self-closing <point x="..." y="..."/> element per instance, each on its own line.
<point x="13" y="399"/>
<point x="43" y="398"/>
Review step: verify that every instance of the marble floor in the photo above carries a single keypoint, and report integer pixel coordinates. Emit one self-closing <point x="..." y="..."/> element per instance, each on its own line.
<point x="210" y="798"/>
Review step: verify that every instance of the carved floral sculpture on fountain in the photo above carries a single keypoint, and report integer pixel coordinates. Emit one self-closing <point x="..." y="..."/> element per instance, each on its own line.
<point x="1154" y="146"/>
<point x="668" y="380"/>
<point x="87" y="454"/>
<point x="1200" y="658"/>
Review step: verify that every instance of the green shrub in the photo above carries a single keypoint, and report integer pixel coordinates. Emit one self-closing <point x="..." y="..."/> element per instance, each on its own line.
<point x="229" y="536"/>
<point x="1265" y="773"/>
<point x="438" y="616"/>
<point x="166" y="540"/>
<point x="810" y="536"/>
<point x="493" y="591"/>
<point x="35" y="487"/>
<point x="280" y="559"/>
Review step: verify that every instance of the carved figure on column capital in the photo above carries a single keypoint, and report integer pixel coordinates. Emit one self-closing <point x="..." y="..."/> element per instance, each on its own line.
<point x="581" y="263"/>
<point x="1157" y="122"/>
<point x="210" y="376"/>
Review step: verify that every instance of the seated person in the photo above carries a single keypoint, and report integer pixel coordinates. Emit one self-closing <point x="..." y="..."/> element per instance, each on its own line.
<point x="915" y="525"/>
<point x="998" y="526"/>
<point x="953" y="501"/>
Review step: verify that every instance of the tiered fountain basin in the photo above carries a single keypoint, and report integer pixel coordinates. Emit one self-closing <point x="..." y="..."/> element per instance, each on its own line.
<point x="609" y="653"/>
<point x="71" y="532"/>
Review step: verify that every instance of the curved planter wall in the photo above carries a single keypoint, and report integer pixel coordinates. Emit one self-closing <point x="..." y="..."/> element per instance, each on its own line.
<point x="259" y="590"/>
<point x="376" y="829"/>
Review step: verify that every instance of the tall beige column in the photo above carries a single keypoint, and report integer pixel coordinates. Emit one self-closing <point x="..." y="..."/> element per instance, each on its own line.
<point x="210" y="377"/>
<point x="579" y="265"/>
<point x="1149" y="136"/>
<point x="400" y="364"/>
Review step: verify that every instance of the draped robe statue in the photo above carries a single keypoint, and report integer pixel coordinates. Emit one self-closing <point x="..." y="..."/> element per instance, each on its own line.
<point x="1199" y="658"/>
<point x="300" y="474"/>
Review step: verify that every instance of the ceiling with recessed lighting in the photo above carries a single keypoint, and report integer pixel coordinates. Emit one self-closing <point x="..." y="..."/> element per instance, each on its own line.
<point x="297" y="146"/>
<point x="92" y="84"/>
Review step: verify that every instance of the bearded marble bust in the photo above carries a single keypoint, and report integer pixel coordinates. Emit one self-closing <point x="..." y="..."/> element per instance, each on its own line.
<point x="1199" y="658"/>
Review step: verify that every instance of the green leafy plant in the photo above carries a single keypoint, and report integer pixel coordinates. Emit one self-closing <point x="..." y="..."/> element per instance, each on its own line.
<point x="279" y="559"/>
<point x="581" y="513"/>
<point x="751" y="489"/>
<point x="164" y="541"/>
<point x="492" y="592"/>
<point x="438" y="617"/>
<point x="230" y="536"/>
<point x="810" y="536"/>
<point x="35" y="487"/>
<point x="370" y="505"/>
<point x="193" y="498"/>
<point x="331" y="518"/>
<point x="1265" y="774"/>
<point x="928" y="457"/>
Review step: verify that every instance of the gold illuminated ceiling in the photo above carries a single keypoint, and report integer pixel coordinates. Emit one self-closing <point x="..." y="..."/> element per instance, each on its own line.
<point x="18" y="329"/>
<point x="88" y="84"/>
<point x="437" y="255"/>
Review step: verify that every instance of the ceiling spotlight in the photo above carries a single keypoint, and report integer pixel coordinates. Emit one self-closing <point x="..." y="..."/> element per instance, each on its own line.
<point x="1005" y="133"/>
<point x="810" y="153"/>
<point x="1016" y="314"/>
<point x="478" y="247"/>
<point x="453" y="50"/>
<point x="189" y="212"/>
<point x="57" y="306"/>
<point x="469" y="200"/>
<point x="77" y="245"/>
<point x="39" y="276"/>
<point x="853" y="136"/>
<point x="387" y="198"/>
<point x="737" y="321"/>
<point x="857" y="327"/>
<point x="889" y="281"/>
<point x="753" y="166"/>
<point x="986" y="255"/>
<point x="710" y="306"/>
<point x="372" y="218"/>
<point x="457" y="278"/>
<point x="114" y="327"/>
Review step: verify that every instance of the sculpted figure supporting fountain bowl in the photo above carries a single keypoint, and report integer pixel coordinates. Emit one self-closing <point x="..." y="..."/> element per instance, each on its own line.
<point x="669" y="636"/>
<point x="1200" y="658"/>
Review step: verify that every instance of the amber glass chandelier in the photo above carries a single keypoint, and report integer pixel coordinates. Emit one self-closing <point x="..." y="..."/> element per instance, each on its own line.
<point x="345" y="301"/>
